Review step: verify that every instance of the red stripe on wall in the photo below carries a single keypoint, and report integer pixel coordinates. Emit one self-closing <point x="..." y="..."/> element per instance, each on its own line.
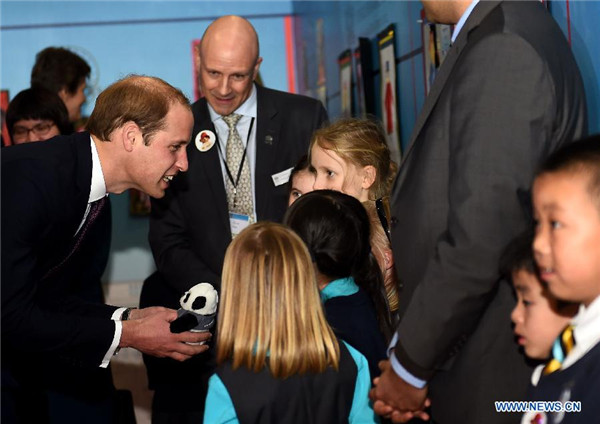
<point x="289" y="52"/>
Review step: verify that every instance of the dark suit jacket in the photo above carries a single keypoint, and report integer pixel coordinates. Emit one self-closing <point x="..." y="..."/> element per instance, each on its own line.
<point x="45" y="189"/>
<point x="189" y="227"/>
<point x="508" y="94"/>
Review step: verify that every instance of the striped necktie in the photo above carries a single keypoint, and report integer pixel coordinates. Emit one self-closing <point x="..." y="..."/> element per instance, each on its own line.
<point x="239" y="191"/>
<point x="563" y="344"/>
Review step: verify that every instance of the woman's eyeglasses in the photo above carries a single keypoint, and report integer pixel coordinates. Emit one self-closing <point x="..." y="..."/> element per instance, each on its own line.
<point x="39" y="130"/>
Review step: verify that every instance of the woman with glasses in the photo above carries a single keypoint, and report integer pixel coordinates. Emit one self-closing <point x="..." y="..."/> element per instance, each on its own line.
<point x="36" y="114"/>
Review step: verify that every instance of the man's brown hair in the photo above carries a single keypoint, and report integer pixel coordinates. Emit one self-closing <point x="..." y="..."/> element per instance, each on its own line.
<point x="140" y="99"/>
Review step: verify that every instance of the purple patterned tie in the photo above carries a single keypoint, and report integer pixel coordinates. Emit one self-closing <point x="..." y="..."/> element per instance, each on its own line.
<point x="95" y="209"/>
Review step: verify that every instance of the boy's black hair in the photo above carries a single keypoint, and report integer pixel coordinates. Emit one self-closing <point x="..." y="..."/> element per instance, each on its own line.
<point x="582" y="156"/>
<point x="336" y="230"/>
<point x="518" y="255"/>
<point x="38" y="103"/>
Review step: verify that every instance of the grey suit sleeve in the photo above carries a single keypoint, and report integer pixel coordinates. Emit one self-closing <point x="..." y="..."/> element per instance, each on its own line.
<point x="501" y="115"/>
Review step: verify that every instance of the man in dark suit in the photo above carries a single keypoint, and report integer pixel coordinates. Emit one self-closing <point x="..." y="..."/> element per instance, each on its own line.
<point x="92" y="392"/>
<point x="52" y="193"/>
<point x="508" y="93"/>
<point x="192" y="226"/>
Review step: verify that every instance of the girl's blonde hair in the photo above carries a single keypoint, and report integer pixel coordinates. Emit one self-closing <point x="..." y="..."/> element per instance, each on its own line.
<point x="270" y="312"/>
<point x="360" y="142"/>
<point x="379" y="245"/>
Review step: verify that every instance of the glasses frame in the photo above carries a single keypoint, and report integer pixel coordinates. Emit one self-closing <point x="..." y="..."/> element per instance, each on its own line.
<point x="35" y="130"/>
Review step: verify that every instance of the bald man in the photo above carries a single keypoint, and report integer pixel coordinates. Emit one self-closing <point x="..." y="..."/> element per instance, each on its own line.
<point x="52" y="193"/>
<point x="192" y="226"/>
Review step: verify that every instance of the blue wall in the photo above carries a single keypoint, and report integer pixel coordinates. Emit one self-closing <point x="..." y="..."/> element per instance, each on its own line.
<point x="119" y="38"/>
<point x="345" y="22"/>
<point x="154" y="38"/>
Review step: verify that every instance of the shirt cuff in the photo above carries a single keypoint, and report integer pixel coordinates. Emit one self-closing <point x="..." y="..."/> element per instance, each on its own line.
<point x="400" y="370"/>
<point x="116" y="317"/>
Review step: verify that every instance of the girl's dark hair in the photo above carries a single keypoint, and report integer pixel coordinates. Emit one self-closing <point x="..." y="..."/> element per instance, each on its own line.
<point x="335" y="228"/>
<point x="302" y="165"/>
<point x="38" y="103"/>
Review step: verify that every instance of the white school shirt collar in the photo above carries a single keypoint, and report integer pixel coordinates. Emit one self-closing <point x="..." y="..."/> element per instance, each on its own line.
<point x="586" y="334"/>
<point x="586" y="331"/>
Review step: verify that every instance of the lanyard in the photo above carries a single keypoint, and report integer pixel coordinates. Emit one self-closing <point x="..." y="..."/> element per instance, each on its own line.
<point x="241" y="165"/>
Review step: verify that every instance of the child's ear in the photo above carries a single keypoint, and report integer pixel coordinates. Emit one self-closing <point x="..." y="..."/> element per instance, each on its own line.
<point x="369" y="175"/>
<point x="388" y="258"/>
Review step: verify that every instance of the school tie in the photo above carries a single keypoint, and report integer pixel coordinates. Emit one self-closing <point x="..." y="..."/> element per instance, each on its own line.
<point x="563" y="344"/>
<point x="94" y="212"/>
<point x="239" y="192"/>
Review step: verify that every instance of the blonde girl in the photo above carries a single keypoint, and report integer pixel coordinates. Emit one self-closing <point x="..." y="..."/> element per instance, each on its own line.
<point x="278" y="359"/>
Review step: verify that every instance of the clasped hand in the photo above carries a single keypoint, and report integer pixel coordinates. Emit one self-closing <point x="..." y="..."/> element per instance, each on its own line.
<point x="395" y="399"/>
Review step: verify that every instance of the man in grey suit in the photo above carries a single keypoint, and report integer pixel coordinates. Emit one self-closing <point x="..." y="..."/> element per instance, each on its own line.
<point x="508" y="93"/>
<point x="192" y="227"/>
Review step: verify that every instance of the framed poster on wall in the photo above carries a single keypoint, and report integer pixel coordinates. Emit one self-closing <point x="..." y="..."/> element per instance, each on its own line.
<point x="345" y="63"/>
<point x="364" y="78"/>
<point x="437" y="39"/>
<point x="386" y="41"/>
<point x="321" y="79"/>
<point x="360" y="95"/>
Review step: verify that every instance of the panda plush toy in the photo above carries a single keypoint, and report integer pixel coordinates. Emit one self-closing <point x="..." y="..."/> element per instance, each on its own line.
<point x="198" y="309"/>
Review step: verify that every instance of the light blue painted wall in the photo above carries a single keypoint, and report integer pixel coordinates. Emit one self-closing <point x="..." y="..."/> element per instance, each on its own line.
<point x="161" y="47"/>
<point x="344" y="22"/>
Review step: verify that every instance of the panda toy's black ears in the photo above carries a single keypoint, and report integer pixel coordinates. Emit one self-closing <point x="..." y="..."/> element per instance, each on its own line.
<point x="184" y="323"/>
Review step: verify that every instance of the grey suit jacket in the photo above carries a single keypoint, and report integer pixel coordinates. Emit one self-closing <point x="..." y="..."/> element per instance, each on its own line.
<point x="508" y="93"/>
